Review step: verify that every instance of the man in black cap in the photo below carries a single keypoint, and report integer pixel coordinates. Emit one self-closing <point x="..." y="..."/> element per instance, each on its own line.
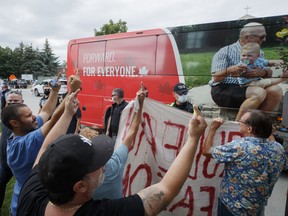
<point x="180" y="93"/>
<point x="65" y="176"/>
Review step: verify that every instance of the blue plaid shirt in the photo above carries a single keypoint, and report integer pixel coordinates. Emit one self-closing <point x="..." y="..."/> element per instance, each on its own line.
<point x="252" y="167"/>
<point x="224" y="58"/>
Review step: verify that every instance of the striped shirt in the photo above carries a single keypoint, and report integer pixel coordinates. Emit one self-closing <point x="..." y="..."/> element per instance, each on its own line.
<point x="224" y="58"/>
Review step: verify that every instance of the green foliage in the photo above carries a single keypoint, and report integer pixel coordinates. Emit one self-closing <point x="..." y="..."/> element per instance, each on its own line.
<point x="112" y="28"/>
<point x="282" y="36"/>
<point x="283" y="52"/>
<point x="8" y="196"/>
<point x="196" y="68"/>
<point x="25" y="59"/>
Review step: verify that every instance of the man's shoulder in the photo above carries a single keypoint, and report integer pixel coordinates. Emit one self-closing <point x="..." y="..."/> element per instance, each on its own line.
<point x="33" y="197"/>
<point x="232" y="46"/>
<point x="129" y="206"/>
<point x="123" y="103"/>
<point x="189" y="107"/>
<point x="27" y="138"/>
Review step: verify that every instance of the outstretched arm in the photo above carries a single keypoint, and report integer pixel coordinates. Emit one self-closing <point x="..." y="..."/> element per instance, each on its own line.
<point x="60" y="128"/>
<point x="49" y="107"/>
<point x="215" y="124"/>
<point x="74" y="84"/>
<point x="157" y="197"/>
<point x="141" y="94"/>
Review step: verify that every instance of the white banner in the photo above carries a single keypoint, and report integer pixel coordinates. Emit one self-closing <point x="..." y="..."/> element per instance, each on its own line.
<point x="161" y="135"/>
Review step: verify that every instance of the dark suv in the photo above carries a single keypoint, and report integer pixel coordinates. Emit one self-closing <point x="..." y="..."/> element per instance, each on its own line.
<point x="13" y="84"/>
<point x="22" y="83"/>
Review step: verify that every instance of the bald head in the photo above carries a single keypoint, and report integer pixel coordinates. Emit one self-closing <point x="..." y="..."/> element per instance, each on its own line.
<point x="252" y="32"/>
<point x="252" y="28"/>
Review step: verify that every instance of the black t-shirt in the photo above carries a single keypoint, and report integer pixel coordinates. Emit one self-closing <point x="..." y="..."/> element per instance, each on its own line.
<point x="73" y="124"/>
<point x="6" y="133"/>
<point x="186" y="106"/>
<point x="33" y="201"/>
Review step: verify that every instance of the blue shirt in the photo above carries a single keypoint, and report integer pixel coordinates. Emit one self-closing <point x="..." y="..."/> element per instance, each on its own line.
<point x="261" y="63"/>
<point x="224" y="58"/>
<point x="252" y="167"/>
<point x="111" y="188"/>
<point x="21" y="154"/>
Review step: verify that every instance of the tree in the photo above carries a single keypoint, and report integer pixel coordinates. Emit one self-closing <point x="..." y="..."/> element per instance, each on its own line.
<point x="25" y="59"/>
<point x="50" y="61"/>
<point x="6" y="62"/>
<point x="112" y="28"/>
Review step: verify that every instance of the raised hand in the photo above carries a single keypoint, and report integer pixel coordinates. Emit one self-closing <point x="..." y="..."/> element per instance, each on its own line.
<point x="55" y="83"/>
<point x="141" y="94"/>
<point x="197" y="124"/>
<point x="74" y="81"/>
<point x="72" y="103"/>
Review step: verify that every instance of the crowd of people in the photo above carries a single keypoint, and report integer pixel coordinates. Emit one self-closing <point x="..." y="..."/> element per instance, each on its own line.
<point x="62" y="171"/>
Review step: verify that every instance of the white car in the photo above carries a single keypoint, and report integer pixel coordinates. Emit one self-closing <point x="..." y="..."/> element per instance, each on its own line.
<point x="37" y="89"/>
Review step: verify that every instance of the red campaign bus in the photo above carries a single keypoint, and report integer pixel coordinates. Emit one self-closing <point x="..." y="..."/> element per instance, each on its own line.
<point x="159" y="58"/>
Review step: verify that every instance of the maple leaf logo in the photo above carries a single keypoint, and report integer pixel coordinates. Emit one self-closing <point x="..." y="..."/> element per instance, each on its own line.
<point x="143" y="71"/>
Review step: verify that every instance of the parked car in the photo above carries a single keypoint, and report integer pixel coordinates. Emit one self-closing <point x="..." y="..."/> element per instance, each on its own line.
<point x="37" y="89"/>
<point x="13" y="83"/>
<point x="22" y="83"/>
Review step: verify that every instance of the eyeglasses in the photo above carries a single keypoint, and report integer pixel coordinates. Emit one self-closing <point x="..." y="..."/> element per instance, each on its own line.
<point x="243" y="122"/>
<point x="260" y="37"/>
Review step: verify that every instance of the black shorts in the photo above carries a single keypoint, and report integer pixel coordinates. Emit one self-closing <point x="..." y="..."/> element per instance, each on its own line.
<point x="227" y="95"/>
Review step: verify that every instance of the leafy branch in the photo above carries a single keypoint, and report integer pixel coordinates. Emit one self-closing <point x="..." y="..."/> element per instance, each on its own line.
<point x="282" y="36"/>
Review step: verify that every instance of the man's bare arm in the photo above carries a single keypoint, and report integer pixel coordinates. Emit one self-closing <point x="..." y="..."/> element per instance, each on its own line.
<point x="208" y="143"/>
<point x="60" y="128"/>
<point x="141" y="94"/>
<point x="234" y="71"/>
<point x="49" y="107"/>
<point x="156" y="197"/>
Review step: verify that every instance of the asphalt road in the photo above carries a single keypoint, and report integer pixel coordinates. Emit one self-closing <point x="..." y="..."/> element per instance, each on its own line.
<point x="276" y="203"/>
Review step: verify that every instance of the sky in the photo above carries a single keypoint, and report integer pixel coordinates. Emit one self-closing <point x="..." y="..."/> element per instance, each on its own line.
<point x="32" y="21"/>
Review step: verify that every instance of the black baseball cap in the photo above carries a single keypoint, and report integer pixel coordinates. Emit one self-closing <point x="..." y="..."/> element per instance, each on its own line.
<point x="69" y="158"/>
<point x="180" y="88"/>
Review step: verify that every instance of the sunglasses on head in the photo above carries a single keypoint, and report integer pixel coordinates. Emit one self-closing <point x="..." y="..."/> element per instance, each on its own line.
<point x="182" y="93"/>
<point x="15" y="92"/>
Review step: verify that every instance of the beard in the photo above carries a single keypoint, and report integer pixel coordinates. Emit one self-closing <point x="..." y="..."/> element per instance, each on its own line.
<point x="29" y="128"/>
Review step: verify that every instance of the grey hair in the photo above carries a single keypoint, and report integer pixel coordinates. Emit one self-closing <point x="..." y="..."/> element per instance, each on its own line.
<point x="250" y="28"/>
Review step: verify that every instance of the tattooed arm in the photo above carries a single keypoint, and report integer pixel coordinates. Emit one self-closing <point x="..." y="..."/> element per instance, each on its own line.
<point x="157" y="197"/>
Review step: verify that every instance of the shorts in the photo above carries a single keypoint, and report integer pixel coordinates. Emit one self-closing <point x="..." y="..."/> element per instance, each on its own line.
<point x="227" y="95"/>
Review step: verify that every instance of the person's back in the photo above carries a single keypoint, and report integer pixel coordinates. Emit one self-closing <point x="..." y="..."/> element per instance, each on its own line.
<point x="252" y="165"/>
<point x="111" y="188"/>
<point x="75" y="123"/>
<point x="255" y="174"/>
